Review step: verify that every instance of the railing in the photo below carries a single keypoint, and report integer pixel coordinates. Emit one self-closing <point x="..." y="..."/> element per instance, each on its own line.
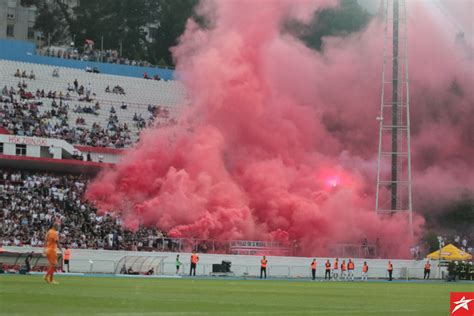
<point x="218" y="246"/>
<point x="354" y="251"/>
<point x="92" y="266"/>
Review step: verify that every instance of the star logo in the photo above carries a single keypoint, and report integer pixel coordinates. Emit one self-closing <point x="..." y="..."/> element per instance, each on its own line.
<point x="460" y="303"/>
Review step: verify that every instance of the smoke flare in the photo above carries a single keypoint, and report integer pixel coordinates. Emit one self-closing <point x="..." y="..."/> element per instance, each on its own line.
<point x="279" y="142"/>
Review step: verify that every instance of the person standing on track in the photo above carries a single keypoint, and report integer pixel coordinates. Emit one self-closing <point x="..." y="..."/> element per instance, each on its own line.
<point x="327" y="274"/>
<point x="313" y="269"/>
<point x="350" y="270"/>
<point x="28" y="259"/>
<point x="50" y="251"/>
<point x="178" y="264"/>
<point x="194" y="261"/>
<point x="365" y="271"/>
<point x="67" y="257"/>
<point x="335" y="270"/>
<point x="390" y="270"/>
<point x="263" y="267"/>
<point x="343" y="270"/>
<point x="427" y="270"/>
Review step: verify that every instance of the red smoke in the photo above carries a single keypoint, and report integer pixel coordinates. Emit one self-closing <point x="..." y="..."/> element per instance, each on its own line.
<point x="279" y="142"/>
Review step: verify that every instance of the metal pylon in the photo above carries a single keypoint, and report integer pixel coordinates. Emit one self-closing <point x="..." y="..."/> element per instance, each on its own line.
<point x="394" y="184"/>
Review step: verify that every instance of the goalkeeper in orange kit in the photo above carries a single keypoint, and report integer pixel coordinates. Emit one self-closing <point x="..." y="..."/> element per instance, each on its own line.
<point x="50" y="251"/>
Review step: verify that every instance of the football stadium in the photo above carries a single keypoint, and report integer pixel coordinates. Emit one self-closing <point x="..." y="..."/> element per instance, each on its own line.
<point x="236" y="157"/>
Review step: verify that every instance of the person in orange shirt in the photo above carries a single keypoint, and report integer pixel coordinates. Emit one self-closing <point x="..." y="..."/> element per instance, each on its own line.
<point x="313" y="269"/>
<point x="263" y="267"/>
<point x="390" y="270"/>
<point x="365" y="271"/>
<point x="194" y="261"/>
<point x="343" y="270"/>
<point x="350" y="270"/>
<point x="67" y="257"/>
<point x="335" y="271"/>
<point x="427" y="270"/>
<point x="50" y="251"/>
<point x="327" y="274"/>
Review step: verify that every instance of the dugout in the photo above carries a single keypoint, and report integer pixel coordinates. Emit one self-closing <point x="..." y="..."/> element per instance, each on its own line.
<point x="14" y="262"/>
<point x="140" y="265"/>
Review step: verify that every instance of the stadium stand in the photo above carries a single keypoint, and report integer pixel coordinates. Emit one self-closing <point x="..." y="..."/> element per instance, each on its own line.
<point x="24" y="51"/>
<point x="31" y="201"/>
<point x="92" y="103"/>
<point x="83" y="108"/>
<point x="107" y="56"/>
<point x="97" y="110"/>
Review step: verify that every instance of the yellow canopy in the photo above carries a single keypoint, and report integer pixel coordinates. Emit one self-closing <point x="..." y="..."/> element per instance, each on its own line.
<point x="449" y="252"/>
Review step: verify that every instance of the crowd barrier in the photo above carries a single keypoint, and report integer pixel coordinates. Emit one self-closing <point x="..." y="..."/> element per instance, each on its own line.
<point x="106" y="261"/>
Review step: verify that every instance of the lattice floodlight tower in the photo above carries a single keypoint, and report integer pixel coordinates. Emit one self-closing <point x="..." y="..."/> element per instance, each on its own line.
<point x="394" y="185"/>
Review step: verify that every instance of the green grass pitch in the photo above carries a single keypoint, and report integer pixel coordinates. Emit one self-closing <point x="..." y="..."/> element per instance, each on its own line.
<point x="30" y="295"/>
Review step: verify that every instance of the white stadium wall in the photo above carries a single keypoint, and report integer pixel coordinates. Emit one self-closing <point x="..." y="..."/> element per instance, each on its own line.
<point x="105" y="261"/>
<point x="36" y="147"/>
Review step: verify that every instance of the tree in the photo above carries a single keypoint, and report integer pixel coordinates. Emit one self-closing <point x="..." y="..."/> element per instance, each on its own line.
<point x="125" y="23"/>
<point x="173" y="17"/>
<point x="116" y="21"/>
<point x="349" y="17"/>
<point x="459" y="216"/>
<point x="51" y="21"/>
<point x="29" y="3"/>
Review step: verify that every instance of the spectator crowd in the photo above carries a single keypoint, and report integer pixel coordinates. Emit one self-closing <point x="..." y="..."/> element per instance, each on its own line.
<point x="20" y="113"/>
<point x="110" y="56"/>
<point x="24" y="118"/>
<point x="30" y="202"/>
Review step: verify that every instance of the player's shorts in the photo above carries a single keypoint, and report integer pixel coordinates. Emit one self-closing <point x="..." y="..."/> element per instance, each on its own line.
<point x="52" y="256"/>
<point x="66" y="261"/>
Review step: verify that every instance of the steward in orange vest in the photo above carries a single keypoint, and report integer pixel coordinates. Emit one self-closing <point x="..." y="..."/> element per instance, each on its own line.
<point x="67" y="257"/>
<point x="390" y="270"/>
<point x="343" y="269"/>
<point x="427" y="270"/>
<point x="263" y="267"/>
<point x="350" y="268"/>
<point x="350" y="265"/>
<point x="313" y="268"/>
<point x="194" y="261"/>
<point x="365" y="270"/>
<point x="335" y="270"/>
<point x="328" y="270"/>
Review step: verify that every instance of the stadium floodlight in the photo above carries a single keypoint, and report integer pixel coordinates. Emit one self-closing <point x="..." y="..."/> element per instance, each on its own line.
<point x="394" y="184"/>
